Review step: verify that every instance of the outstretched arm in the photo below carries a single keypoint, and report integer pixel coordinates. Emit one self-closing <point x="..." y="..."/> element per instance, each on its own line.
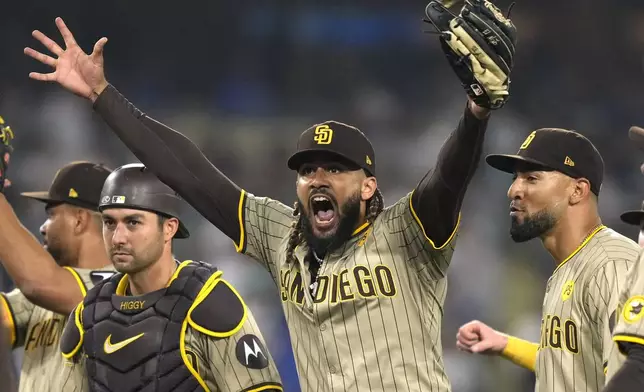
<point x="175" y="160"/>
<point x="438" y="198"/>
<point x="40" y="279"/>
<point x="32" y="268"/>
<point x="479" y="45"/>
<point x="170" y="155"/>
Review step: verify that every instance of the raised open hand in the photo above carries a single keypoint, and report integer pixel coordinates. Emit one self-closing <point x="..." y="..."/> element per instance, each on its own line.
<point x="78" y="72"/>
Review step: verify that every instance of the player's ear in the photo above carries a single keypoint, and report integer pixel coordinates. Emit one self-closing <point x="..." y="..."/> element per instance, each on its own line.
<point x="369" y="186"/>
<point x="81" y="219"/>
<point x="170" y="227"/>
<point x="581" y="191"/>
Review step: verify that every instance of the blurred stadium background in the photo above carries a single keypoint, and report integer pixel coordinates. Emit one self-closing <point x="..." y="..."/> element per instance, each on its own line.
<point x="244" y="78"/>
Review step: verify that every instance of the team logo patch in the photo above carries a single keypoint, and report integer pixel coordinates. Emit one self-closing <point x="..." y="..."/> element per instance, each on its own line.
<point x="106" y="199"/>
<point x="566" y="291"/>
<point x="528" y="140"/>
<point x="251" y="352"/>
<point x="98" y="276"/>
<point x="323" y="134"/>
<point x="633" y="309"/>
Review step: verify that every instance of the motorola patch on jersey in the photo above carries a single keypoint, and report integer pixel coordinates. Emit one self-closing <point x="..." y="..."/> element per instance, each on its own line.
<point x="98" y="276"/>
<point x="251" y="352"/>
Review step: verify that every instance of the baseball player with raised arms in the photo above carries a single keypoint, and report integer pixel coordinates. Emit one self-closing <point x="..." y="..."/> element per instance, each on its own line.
<point x="362" y="285"/>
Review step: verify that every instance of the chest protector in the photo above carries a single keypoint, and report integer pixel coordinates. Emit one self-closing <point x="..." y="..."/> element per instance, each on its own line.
<point x="133" y="343"/>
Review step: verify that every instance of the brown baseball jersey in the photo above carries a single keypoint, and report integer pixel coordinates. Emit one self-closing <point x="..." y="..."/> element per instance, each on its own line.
<point x="374" y="321"/>
<point x="629" y="326"/>
<point x="581" y="296"/>
<point x="38" y="331"/>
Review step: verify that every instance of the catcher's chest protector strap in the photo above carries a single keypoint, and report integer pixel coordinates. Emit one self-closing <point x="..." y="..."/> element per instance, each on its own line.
<point x="133" y="343"/>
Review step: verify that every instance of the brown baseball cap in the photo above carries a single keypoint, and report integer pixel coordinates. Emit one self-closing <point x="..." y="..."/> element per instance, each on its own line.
<point x="78" y="183"/>
<point x="563" y="150"/>
<point x="338" y="140"/>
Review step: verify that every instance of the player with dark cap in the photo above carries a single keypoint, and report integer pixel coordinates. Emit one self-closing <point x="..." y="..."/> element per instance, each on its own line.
<point x="557" y="178"/>
<point x="363" y="286"/>
<point x="158" y="324"/>
<point x="629" y="329"/>
<point x="635" y="218"/>
<point x="52" y="280"/>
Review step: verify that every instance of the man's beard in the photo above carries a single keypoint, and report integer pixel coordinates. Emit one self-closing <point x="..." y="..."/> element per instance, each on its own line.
<point x="533" y="226"/>
<point x="348" y="216"/>
<point x="59" y="255"/>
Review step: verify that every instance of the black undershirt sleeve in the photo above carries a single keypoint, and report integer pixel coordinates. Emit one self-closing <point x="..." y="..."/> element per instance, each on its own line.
<point x="175" y="160"/>
<point x="438" y="197"/>
<point x="630" y="376"/>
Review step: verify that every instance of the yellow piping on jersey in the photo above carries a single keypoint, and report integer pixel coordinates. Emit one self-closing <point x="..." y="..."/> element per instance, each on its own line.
<point x="240" y="209"/>
<point x="78" y="280"/>
<point x="359" y="229"/>
<point x="184" y="356"/>
<point x="176" y="272"/>
<point x="122" y="286"/>
<point x="449" y="239"/>
<point x="125" y="280"/>
<point x="79" y="325"/>
<point x="628" y="339"/>
<point x="208" y="287"/>
<point x="574" y="252"/>
<point x="265" y="387"/>
<point x="205" y="290"/>
<point x="8" y="316"/>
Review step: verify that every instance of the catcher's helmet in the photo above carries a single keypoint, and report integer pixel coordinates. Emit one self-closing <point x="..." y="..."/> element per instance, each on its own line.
<point x="134" y="186"/>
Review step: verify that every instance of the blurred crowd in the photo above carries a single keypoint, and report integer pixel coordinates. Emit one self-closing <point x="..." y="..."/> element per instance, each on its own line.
<point x="242" y="79"/>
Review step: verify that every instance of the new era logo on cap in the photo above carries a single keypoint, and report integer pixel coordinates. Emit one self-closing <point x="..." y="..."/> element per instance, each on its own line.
<point x="77" y="183"/>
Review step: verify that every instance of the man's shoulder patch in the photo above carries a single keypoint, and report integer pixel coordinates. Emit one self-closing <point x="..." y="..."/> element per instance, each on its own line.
<point x="633" y="309"/>
<point x="251" y="353"/>
<point x="218" y="311"/>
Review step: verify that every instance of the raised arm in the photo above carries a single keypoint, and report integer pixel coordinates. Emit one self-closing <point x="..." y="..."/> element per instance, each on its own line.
<point x="170" y="155"/>
<point x="479" y="44"/>
<point x="438" y="197"/>
<point x="34" y="272"/>
<point x="175" y="160"/>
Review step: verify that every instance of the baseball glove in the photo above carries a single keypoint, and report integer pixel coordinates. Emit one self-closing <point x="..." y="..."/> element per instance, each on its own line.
<point x="479" y="45"/>
<point x="6" y="136"/>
